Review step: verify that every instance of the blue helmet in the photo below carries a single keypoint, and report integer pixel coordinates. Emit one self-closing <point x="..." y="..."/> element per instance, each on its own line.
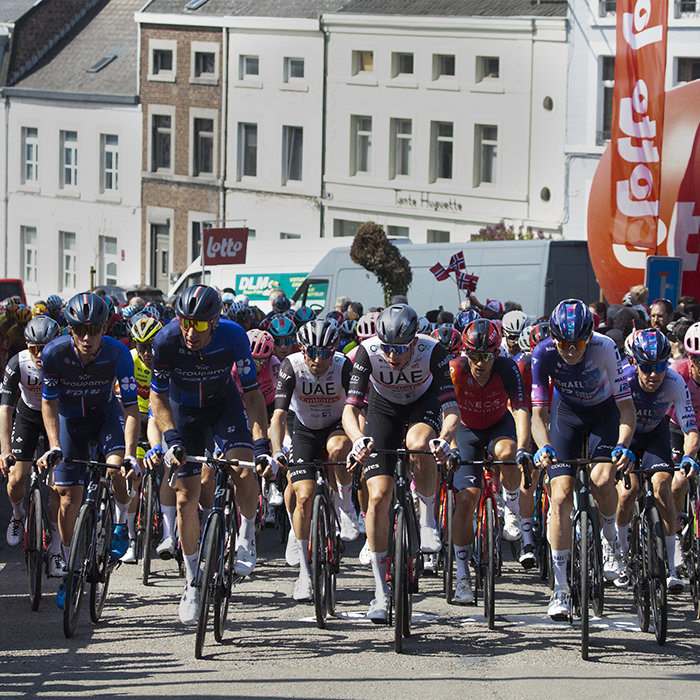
<point x="570" y="321"/>
<point x="464" y="318"/>
<point x="199" y="302"/>
<point x="281" y="327"/>
<point x="54" y="303"/>
<point x="303" y="315"/>
<point x="650" y="345"/>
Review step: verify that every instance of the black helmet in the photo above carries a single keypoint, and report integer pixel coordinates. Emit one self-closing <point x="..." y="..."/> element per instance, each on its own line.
<point x="41" y="330"/>
<point x="397" y="325"/>
<point x="86" y="308"/>
<point x="199" y="302"/>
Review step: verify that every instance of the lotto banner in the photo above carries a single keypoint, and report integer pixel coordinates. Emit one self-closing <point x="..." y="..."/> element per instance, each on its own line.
<point x="637" y="124"/>
<point x="225" y="246"/>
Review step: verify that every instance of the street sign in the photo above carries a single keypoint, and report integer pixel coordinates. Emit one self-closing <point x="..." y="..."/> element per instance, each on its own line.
<point x="664" y="277"/>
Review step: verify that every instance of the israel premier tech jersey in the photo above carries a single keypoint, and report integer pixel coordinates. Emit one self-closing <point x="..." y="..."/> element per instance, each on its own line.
<point x="202" y="377"/>
<point x="81" y="389"/>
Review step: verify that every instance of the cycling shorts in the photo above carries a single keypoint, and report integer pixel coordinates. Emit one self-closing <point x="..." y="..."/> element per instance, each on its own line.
<point x="653" y="449"/>
<point x="106" y="427"/>
<point x="307" y="446"/>
<point x="677" y="442"/>
<point x="471" y="444"/>
<point x="569" y="424"/>
<point x="26" y="432"/>
<point x="385" y="422"/>
<point x="227" y="420"/>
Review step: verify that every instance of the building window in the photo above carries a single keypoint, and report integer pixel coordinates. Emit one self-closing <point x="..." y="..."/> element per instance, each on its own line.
<point x="30" y="252"/>
<point x="203" y="141"/>
<point x="30" y="154"/>
<point x="607" y="85"/>
<point x="438" y="236"/>
<point x="196" y="240"/>
<point x="293" y="69"/>
<point x="362" y="62"/>
<point x="688" y="69"/>
<point x="161" y="142"/>
<point x="607" y="8"/>
<point x="397" y="231"/>
<point x="251" y="233"/>
<point x="344" y="229"/>
<point x="289" y="236"/>
<point x="162" y="62"/>
<point x="486" y="140"/>
<point x="247" y="150"/>
<point x="487" y="68"/>
<point x="443" y="66"/>
<point x="687" y="8"/>
<point x="69" y="261"/>
<point x="292" y="144"/>
<point x="249" y="67"/>
<point x="402" y="131"/>
<point x="442" y="147"/>
<point x="69" y="159"/>
<point x="110" y="162"/>
<point x="362" y="145"/>
<point x="204" y="64"/>
<point x="109" y="260"/>
<point x="401" y="64"/>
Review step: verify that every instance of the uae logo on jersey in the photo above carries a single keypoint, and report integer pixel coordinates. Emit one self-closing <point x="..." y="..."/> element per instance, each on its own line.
<point x="244" y="367"/>
<point x="128" y="384"/>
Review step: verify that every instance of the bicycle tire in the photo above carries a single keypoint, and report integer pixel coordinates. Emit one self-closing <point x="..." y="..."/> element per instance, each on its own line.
<point x="691" y="551"/>
<point x="448" y="545"/>
<point x="584" y="544"/>
<point x="209" y="565"/>
<point x="148" y="527"/>
<point x="222" y="597"/>
<point x="79" y="563"/>
<point x="636" y="558"/>
<point x="596" y="585"/>
<point x="34" y="539"/>
<point x="319" y="559"/>
<point x="400" y="588"/>
<point x="657" y="575"/>
<point x="490" y="563"/>
<point x="101" y="569"/>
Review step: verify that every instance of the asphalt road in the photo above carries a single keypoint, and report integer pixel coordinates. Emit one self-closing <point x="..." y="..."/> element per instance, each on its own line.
<point x="273" y="648"/>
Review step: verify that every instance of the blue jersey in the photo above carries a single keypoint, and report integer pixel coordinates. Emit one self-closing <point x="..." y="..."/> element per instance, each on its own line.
<point x="202" y="377"/>
<point x="81" y="389"/>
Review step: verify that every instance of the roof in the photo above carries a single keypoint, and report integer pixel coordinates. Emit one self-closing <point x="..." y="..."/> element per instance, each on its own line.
<point x="304" y="9"/>
<point x="12" y="10"/>
<point x="457" y="8"/>
<point x="111" y="31"/>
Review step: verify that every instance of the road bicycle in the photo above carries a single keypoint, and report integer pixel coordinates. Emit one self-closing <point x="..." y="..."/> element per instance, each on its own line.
<point x="446" y="510"/>
<point x="541" y="523"/>
<point x="690" y="541"/>
<point x="148" y="522"/>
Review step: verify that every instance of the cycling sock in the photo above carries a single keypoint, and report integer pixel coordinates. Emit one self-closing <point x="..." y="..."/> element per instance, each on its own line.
<point x="191" y="561"/>
<point x="65" y="550"/>
<point x="55" y="546"/>
<point x="609" y="526"/>
<point x="247" y="531"/>
<point x="671" y="551"/>
<point x="512" y="499"/>
<point x="381" y="587"/>
<point x="622" y="531"/>
<point x="131" y="525"/>
<point x="169" y="517"/>
<point x="462" y="557"/>
<point x="526" y="525"/>
<point x="291" y="519"/>
<point x="560" y="557"/>
<point x="18" y="510"/>
<point x="427" y="510"/>
<point x="121" y="510"/>
<point x="304" y="566"/>
<point x="345" y="497"/>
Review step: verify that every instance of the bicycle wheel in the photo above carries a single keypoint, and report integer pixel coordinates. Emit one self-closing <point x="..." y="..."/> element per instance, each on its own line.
<point x="636" y="559"/>
<point x="319" y="559"/>
<point x="490" y="560"/>
<point x="401" y="583"/>
<point x="209" y="566"/>
<point x="34" y="543"/>
<point x="543" y="554"/>
<point x="148" y="525"/>
<point x="448" y="546"/>
<point x="101" y="569"/>
<point x="79" y="563"/>
<point x="656" y="552"/>
<point x="222" y="595"/>
<point x="584" y="543"/>
<point x="596" y="589"/>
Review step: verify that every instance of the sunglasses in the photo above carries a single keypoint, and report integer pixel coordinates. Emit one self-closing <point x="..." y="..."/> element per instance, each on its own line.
<point x="396" y="349"/>
<point x="319" y="353"/>
<point x="187" y="323"/>
<point x="571" y="344"/>
<point x="289" y="340"/>
<point x="481" y="356"/>
<point x="144" y="347"/>
<point x="91" y="329"/>
<point x="35" y="349"/>
<point x="649" y="367"/>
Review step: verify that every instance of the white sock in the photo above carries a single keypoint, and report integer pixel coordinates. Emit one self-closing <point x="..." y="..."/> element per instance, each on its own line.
<point x="121" y="510"/>
<point x="291" y="519"/>
<point x="426" y="507"/>
<point x="18" y="510"/>
<point x="671" y="552"/>
<point x="609" y="527"/>
<point x="191" y="561"/>
<point x="381" y="587"/>
<point x="55" y="546"/>
<point x="622" y="531"/>
<point x="65" y="550"/>
<point x="560" y="557"/>
<point x="247" y="531"/>
<point x="512" y="499"/>
<point x="169" y="517"/>
<point x="131" y="525"/>
<point x="305" y="566"/>
<point x="462" y="557"/>
<point x="345" y="497"/>
<point x="526" y="525"/>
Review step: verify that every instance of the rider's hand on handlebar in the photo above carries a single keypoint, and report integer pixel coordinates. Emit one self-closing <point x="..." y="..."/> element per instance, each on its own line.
<point x="281" y="460"/>
<point x="623" y="459"/>
<point x="688" y="465"/>
<point x="4" y="466"/>
<point x="50" y="458"/>
<point x="153" y="457"/>
<point x="441" y="449"/>
<point x="545" y="456"/>
<point x="361" y="450"/>
<point x="176" y="455"/>
<point x="266" y="466"/>
<point x="130" y="468"/>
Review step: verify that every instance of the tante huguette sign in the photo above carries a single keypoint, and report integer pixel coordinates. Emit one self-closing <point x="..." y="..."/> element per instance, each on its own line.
<point x="224" y="246"/>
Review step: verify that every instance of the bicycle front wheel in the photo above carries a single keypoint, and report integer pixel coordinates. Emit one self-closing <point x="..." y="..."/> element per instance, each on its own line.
<point x="319" y="559"/>
<point x="490" y="555"/>
<point x="209" y="567"/>
<point x="401" y="582"/>
<point x="448" y="545"/>
<point x="34" y="543"/>
<point x="636" y="566"/>
<point x="102" y="570"/>
<point x="596" y="590"/>
<point x="222" y="597"/>
<point x="656" y="551"/>
<point x="148" y="525"/>
<point x="79" y="563"/>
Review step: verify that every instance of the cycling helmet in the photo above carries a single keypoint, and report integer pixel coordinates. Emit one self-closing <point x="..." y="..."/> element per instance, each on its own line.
<point x="514" y="322"/>
<point x="570" y="321"/>
<point x="627" y="347"/>
<point x="11" y="309"/>
<point x="145" y="328"/>
<point x="39" y="310"/>
<point x="424" y="326"/>
<point x="367" y="325"/>
<point x="227" y="298"/>
<point x="168" y="314"/>
<point x="539" y="332"/>
<point x="348" y="328"/>
<point x="524" y="339"/>
<point x="281" y="304"/>
<point x="261" y="344"/>
<point x="157" y="306"/>
<point x="54" y="303"/>
<point x="110" y="303"/>
<point x="337" y="316"/>
<point x="119" y="329"/>
<point x="397" y="325"/>
<point x="650" y="345"/>
<point x="239" y="312"/>
<point x="281" y="327"/>
<point x="450" y="337"/>
<point x="41" y="330"/>
<point x="692" y="340"/>
<point x="130" y="311"/>
<point x="318" y="334"/>
<point x="17" y="299"/>
<point x="199" y="302"/>
<point x="303" y="315"/>
<point x="86" y="308"/>
<point x="482" y="335"/>
<point x="464" y="318"/>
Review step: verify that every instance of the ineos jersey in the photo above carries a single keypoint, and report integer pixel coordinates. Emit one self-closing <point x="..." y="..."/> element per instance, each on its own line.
<point x="22" y="374"/>
<point x="81" y="389"/>
<point x="202" y="377"/>
<point x="317" y="402"/>
<point x="595" y="379"/>
<point x="429" y="368"/>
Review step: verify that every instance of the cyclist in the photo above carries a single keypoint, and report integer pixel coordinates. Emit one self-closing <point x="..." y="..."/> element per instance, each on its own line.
<point x="409" y="383"/>
<point x="450" y="338"/>
<point x="314" y="384"/>
<point x="283" y="332"/>
<point x="513" y="324"/>
<point x="267" y="366"/>
<point x="484" y="384"/>
<point x="192" y="390"/>
<point x="79" y="405"/>
<point x="23" y="378"/>
<point x="655" y="388"/>
<point x="54" y="306"/>
<point x="591" y="395"/>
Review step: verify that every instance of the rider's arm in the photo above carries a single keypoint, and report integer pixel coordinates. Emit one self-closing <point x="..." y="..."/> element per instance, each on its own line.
<point x="153" y="432"/>
<point x="522" y="427"/>
<point x="257" y="413"/>
<point x="351" y="422"/>
<point x="132" y="428"/>
<point x="357" y="389"/>
<point x="540" y="425"/>
<point x="160" y="405"/>
<point x="278" y="426"/>
<point x="691" y="442"/>
<point x="5" y="435"/>
<point x="49" y="414"/>
<point x="628" y="421"/>
<point x="450" y="423"/>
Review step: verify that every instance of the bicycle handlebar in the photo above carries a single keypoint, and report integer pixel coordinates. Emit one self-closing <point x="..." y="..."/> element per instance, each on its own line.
<point x="646" y="472"/>
<point x="220" y="462"/>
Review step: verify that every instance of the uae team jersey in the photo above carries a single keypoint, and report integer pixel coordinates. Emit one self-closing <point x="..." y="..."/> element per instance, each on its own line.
<point x="81" y="389"/>
<point x="202" y="377"/>
<point x="23" y="376"/>
<point x="684" y="368"/>
<point x="595" y="379"/>
<point x="317" y="402"/>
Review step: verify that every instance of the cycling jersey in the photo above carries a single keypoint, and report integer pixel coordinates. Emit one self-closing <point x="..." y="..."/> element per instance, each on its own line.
<point x="483" y="406"/>
<point x="429" y="367"/>
<point x="596" y="378"/>
<point x="202" y="378"/>
<point x="82" y="389"/>
<point x="652" y="406"/>
<point x="267" y="379"/>
<point x="142" y="374"/>
<point x="684" y="369"/>
<point x="317" y="401"/>
<point x="21" y="374"/>
<point x="505" y="351"/>
<point x="525" y="369"/>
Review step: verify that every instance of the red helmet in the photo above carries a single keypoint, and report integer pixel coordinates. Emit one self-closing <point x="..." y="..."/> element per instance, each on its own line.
<point x="450" y="337"/>
<point x="539" y="332"/>
<point x="482" y="335"/>
<point x="261" y="344"/>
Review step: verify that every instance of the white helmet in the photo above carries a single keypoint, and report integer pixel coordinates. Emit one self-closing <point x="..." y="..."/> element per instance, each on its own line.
<point x="514" y="322"/>
<point x="692" y="339"/>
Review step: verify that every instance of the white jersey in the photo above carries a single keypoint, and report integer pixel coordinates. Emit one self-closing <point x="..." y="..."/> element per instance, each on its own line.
<point x="21" y="373"/>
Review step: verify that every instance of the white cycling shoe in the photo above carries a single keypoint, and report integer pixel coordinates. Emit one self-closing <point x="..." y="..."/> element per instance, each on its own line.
<point x="246" y="557"/>
<point x="189" y="605"/>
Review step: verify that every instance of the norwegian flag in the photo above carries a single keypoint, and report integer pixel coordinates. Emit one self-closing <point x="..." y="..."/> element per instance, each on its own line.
<point x="456" y="262"/>
<point x="466" y="282"/>
<point x="440" y="272"/>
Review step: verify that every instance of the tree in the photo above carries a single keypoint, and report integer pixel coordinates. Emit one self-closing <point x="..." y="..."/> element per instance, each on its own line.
<point x="372" y="250"/>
